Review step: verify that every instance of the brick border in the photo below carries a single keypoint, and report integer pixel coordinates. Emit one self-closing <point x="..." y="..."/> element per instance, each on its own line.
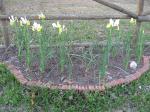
<point x="20" y="77"/>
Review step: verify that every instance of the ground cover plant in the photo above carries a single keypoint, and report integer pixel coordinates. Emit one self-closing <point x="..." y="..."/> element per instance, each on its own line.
<point x="58" y="60"/>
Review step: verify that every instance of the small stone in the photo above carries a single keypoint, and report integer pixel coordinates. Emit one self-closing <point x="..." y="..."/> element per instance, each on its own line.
<point x="133" y="65"/>
<point x="140" y="87"/>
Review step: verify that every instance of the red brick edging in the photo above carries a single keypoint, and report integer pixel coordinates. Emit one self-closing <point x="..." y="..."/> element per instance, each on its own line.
<point x="20" y="77"/>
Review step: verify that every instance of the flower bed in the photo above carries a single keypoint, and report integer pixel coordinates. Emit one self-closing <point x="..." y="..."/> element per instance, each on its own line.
<point x="21" y="78"/>
<point x="56" y="63"/>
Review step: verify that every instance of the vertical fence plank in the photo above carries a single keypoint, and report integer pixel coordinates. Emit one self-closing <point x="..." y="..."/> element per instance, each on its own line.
<point x="140" y="7"/>
<point x="5" y="25"/>
<point x="0" y="4"/>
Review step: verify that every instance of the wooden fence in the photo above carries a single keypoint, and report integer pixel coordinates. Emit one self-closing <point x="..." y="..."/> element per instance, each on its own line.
<point x="139" y="16"/>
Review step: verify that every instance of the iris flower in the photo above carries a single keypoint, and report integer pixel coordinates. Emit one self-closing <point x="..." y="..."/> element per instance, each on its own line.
<point x="24" y="21"/>
<point x="12" y="20"/>
<point x="36" y="27"/>
<point x="133" y="21"/>
<point x="60" y="27"/>
<point x="113" y="23"/>
<point x="41" y="16"/>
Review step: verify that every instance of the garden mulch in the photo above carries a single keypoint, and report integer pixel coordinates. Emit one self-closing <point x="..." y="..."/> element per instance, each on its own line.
<point x="81" y="77"/>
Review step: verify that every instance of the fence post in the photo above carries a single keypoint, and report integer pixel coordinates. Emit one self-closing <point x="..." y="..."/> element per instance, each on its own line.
<point x="0" y="4"/>
<point x="140" y="7"/>
<point x="5" y="25"/>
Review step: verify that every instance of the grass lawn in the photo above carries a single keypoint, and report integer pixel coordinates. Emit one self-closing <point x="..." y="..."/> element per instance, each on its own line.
<point x="134" y="97"/>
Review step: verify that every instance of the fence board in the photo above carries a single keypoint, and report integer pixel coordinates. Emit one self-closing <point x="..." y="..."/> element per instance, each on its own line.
<point x="5" y="26"/>
<point x="68" y="17"/>
<point x="1" y="1"/>
<point x="144" y="18"/>
<point x="146" y="13"/>
<point x="116" y="7"/>
<point x="140" y="7"/>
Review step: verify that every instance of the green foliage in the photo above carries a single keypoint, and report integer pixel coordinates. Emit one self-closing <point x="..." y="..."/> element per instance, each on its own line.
<point x="22" y="41"/>
<point x="17" y="96"/>
<point x="57" y="35"/>
<point x="12" y="91"/>
<point x="127" y="46"/>
<point x="106" y="54"/>
<point x="62" y="51"/>
<point x="140" y="45"/>
<point x="43" y="45"/>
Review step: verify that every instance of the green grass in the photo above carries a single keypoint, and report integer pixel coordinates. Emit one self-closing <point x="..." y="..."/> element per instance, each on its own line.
<point x="17" y="98"/>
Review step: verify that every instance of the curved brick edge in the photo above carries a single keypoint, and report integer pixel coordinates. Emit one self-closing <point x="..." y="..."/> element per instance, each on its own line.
<point x="20" y="77"/>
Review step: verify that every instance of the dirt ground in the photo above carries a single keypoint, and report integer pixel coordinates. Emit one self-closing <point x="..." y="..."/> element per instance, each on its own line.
<point x="67" y="6"/>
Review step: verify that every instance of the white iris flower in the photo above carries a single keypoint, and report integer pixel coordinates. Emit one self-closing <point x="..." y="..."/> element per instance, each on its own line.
<point x="113" y="23"/>
<point x="36" y="27"/>
<point x="60" y="27"/>
<point x="12" y="20"/>
<point x="24" y="21"/>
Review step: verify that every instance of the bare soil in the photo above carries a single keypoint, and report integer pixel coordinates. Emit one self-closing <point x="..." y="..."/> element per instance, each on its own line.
<point x="68" y="6"/>
<point x="80" y="71"/>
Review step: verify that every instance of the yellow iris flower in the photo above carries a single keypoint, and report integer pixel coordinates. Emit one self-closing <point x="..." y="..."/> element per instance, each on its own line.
<point x="133" y="21"/>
